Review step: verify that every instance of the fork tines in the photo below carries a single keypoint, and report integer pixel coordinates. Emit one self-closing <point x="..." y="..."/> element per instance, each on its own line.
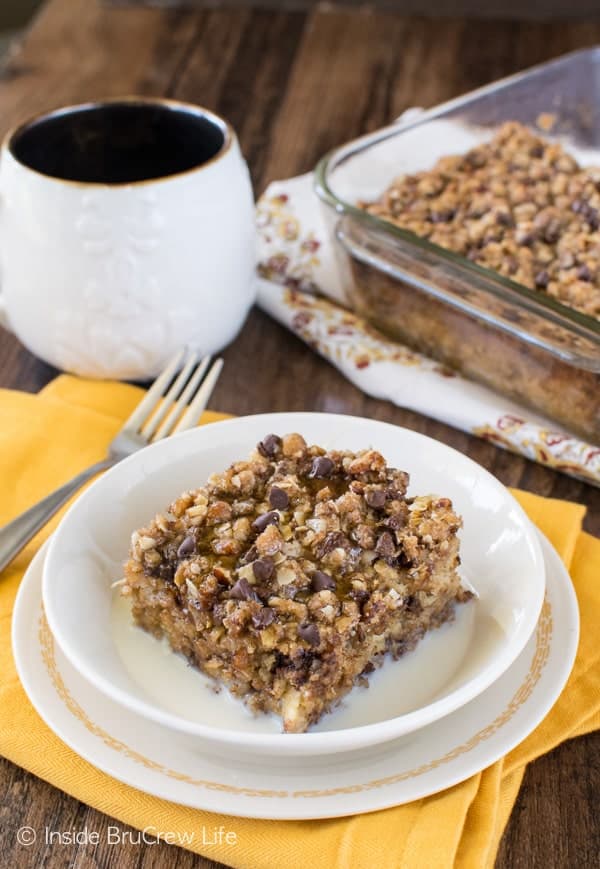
<point x="177" y="397"/>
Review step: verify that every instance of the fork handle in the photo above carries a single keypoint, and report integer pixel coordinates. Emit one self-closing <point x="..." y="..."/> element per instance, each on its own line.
<point x="17" y="533"/>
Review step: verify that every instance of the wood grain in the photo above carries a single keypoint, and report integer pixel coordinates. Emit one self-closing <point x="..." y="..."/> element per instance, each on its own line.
<point x="513" y="9"/>
<point x="294" y="84"/>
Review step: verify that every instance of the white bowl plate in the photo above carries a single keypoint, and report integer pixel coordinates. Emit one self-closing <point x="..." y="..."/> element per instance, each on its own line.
<point x="501" y="560"/>
<point x="187" y="771"/>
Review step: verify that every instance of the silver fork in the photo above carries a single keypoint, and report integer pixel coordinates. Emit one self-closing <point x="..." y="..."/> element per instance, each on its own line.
<point x="158" y="415"/>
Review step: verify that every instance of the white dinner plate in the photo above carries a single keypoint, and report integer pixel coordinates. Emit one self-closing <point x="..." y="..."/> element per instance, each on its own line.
<point x="500" y="558"/>
<point x="143" y="754"/>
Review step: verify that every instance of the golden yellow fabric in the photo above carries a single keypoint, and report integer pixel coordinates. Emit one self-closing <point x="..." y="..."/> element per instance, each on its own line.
<point x="46" y="438"/>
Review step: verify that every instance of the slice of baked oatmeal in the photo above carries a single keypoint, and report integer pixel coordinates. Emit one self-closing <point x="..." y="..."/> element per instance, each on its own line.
<point x="288" y="576"/>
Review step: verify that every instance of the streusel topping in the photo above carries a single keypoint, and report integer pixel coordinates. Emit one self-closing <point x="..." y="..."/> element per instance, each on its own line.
<point x="519" y="205"/>
<point x="290" y="574"/>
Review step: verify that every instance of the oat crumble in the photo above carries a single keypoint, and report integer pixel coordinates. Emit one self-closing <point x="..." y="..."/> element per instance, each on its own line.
<point x="519" y="205"/>
<point x="290" y="575"/>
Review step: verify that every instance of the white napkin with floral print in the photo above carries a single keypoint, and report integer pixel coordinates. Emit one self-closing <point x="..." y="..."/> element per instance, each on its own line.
<point x="300" y="286"/>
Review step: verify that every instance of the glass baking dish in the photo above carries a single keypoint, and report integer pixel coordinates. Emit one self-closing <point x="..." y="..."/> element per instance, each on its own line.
<point x="519" y="341"/>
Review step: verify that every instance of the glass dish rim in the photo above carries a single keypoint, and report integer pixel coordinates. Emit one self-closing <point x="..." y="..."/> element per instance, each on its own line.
<point x="496" y="284"/>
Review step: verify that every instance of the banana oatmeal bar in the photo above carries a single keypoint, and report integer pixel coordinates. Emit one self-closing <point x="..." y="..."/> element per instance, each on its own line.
<point x="290" y="575"/>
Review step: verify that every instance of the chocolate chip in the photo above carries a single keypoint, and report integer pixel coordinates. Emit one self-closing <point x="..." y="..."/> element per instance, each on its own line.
<point x="445" y="215"/>
<point x="187" y="547"/>
<point x="333" y="540"/>
<point x="262" y="521"/>
<point x="593" y="218"/>
<point x="165" y="570"/>
<point x="552" y="232"/>
<point x="322" y="467"/>
<point x="402" y="560"/>
<point x="583" y="273"/>
<point x="505" y="219"/>
<point x="303" y="661"/>
<point x="412" y="604"/>
<point x="269" y="446"/>
<point x="587" y="211"/>
<point x="281" y="661"/>
<point x="385" y="545"/>
<point x="375" y="498"/>
<point x="551" y="236"/>
<point x="321" y="581"/>
<point x="360" y="595"/>
<point x="263" y="618"/>
<point x="536" y="151"/>
<point x="309" y="632"/>
<point x="524" y="239"/>
<point x="278" y="498"/>
<point x="396" y="520"/>
<point x="242" y="590"/>
<point x="542" y="279"/>
<point x="263" y="569"/>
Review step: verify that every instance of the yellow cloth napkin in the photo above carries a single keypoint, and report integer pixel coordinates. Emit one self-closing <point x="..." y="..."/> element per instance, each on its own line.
<point x="46" y="438"/>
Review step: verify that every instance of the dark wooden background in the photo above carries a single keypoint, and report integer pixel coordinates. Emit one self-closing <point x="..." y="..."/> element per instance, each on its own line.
<point x="294" y="84"/>
<point x="517" y="10"/>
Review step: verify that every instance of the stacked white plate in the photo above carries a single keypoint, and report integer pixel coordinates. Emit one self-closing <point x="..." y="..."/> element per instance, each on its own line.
<point x="470" y="692"/>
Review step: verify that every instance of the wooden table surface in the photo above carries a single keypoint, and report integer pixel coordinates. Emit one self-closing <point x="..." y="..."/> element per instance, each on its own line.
<point x="293" y="84"/>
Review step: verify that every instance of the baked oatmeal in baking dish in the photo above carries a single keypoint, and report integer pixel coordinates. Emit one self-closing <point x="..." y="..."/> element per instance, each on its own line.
<point x="518" y="204"/>
<point x="289" y="576"/>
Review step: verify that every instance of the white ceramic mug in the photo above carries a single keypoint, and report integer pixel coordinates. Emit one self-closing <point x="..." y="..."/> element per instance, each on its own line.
<point x="126" y="231"/>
